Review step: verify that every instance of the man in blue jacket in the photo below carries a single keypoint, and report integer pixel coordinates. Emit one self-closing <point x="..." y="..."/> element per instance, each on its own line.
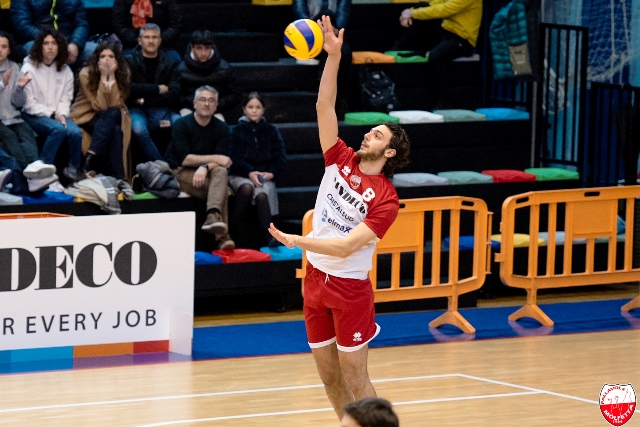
<point x="29" y="17"/>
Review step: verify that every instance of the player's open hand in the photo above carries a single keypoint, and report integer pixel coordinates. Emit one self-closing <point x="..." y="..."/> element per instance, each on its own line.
<point x="289" y="240"/>
<point x="332" y="42"/>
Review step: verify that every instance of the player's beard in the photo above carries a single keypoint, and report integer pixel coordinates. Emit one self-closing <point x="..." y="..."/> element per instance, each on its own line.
<point x="371" y="156"/>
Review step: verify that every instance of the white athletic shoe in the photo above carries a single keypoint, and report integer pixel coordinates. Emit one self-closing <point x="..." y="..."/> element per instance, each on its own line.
<point x="39" y="170"/>
<point x="37" y="184"/>
<point x="57" y="187"/>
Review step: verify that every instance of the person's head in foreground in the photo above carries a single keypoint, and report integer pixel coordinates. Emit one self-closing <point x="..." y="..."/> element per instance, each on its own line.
<point x="369" y="412"/>
<point x="388" y="141"/>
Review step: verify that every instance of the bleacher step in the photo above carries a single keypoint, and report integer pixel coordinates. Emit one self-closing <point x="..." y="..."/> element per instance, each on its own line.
<point x="279" y="75"/>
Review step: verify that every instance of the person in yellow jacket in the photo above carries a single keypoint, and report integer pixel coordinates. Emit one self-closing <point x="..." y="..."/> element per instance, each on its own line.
<point x="458" y="34"/>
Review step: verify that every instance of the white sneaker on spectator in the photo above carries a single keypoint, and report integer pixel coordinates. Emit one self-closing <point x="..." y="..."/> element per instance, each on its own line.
<point x="37" y="184"/>
<point x="5" y="175"/>
<point x="57" y="187"/>
<point x="39" y="169"/>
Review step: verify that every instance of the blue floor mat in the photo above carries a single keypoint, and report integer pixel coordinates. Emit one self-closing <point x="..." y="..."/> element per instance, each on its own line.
<point x="413" y="328"/>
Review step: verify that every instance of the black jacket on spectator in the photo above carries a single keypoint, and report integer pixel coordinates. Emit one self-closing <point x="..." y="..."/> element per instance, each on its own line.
<point x="214" y="72"/>
<point x="141" y="87"/>
<point x="256" y="147"/>
<point x="189" y="137"/>
<point x="31" y="16"/>
<point x="166" y="14"/>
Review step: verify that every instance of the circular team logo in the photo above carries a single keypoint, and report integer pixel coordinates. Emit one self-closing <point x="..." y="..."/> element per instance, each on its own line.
<point x="617" y="403"/>
<point x="354" y="181"/>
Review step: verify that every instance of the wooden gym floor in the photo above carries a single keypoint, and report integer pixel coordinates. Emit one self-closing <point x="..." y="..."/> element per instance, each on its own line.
<point x="526" y="381"/>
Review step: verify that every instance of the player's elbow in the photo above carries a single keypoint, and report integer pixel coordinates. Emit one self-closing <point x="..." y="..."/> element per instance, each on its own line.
<point x="347" y="248"/>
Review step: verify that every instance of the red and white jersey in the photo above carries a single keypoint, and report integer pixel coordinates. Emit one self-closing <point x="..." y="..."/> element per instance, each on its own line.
<point x="346" y="198"/>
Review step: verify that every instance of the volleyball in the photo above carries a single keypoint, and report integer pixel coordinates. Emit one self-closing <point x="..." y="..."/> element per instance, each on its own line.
<point x="303" y="39"/>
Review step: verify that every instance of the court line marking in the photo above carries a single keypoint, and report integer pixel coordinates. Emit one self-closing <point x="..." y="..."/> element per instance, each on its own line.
<point x="307" y="411"/>
<point x="212" y="394"/>
<point x="567" y="396"/>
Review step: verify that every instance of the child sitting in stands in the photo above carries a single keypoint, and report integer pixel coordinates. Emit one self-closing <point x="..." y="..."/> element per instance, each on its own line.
<point x="258" y="155"/>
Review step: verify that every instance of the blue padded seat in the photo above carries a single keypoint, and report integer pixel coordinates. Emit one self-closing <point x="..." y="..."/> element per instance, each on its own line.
<point x="206" y="258"/>
<point x="283" y="253"/>
<point x="48" y="197"/>
<point x="503" y="113"/>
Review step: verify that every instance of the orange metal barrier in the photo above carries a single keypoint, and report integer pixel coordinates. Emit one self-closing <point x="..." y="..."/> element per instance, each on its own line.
<point x="585" y="214"/>
<point x="407" y="235"/>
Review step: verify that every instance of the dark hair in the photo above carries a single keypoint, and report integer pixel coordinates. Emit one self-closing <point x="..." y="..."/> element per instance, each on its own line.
<point x="35" y="54"/>
<point x="251" y="95"/>
<point x="12" y="45"/>
<point x="372" y="412"/>
<point x="122" y="74"/>
<point x="204" y="37"/>
<point x="400" y="143"/>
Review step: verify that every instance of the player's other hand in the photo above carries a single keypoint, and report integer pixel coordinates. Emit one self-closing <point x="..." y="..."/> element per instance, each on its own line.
<point x="289" y="240"/>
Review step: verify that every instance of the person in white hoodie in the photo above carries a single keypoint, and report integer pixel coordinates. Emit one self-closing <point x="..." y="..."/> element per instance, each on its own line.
<point x="16" y="137"/>
<point x="49" y="96"/>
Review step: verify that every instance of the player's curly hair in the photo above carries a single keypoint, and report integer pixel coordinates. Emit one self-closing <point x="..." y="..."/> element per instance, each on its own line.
<point x="400" y="143"/>
<point x="35" y="54"/>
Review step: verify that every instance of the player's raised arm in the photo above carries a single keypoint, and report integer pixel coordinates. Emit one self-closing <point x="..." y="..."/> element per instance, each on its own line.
<point x="326" y="105"/>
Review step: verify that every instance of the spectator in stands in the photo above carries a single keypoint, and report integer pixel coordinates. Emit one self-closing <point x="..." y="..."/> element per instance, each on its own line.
<point x="100" y="110"/>
<point x="314" y="9"/>
<point x="258" y="155"/>
<point x="49" y="96"/>
<point x="355" y="206"/>
<point x="155" y="90"/>
<point x="203" y="65"/>
<point x="369" y="412"/>
<point x="198" y="155"/>
<point x="457" y="37"/>
<point x="17" y="139"/>
<point x="69" y="17"/>
<point x="129" y="16"/>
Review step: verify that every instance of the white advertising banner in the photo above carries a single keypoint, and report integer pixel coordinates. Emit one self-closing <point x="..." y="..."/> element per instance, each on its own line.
<point x="97" y="280"/>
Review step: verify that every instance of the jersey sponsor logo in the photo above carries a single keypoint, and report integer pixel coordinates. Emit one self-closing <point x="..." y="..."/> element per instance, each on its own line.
<point x="351" y="199"/>
<point x="355" y="181"/>
<point x="337" y="208"/>
<point x="341" y="227"/>
<point x="58" y="82"/>
<point x="346" y="170"/>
